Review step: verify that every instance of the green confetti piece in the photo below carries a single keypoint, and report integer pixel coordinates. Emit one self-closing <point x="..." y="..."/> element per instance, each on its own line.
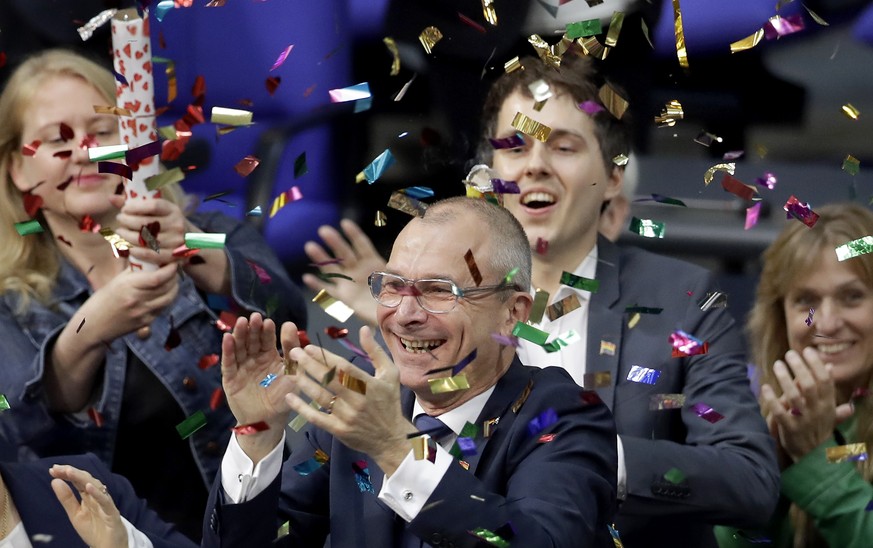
<point x="566" y="339"/>
<point x="271" y="306"/>
<point x="300" y="168"/>
<point x="579" y="29"/>
<point x="111" y="152"/>
<point x="469" y="430"/>
<point x="579" y="282"/>
<point x="674" y="476"/>
<point x="204" y="240"/>
<point x="327" y="276"/>
<point x="851" y="165"/>
<point x="490" y="537"/>
<point x="4" y="403"/>
<point x="192" y="424"/>
<point x="529" y="333"/>
<point x="647" y="228"/>
<point x="510" y="276"/>
<point x="284" y="530"/>
<point x="27" y="228"/>
<point x="861" y="246"/>
<point x="170" y="176"/>
<point x="167" y="132"/>
<point x="643" y="310"/>
<point x="541" y="300"/>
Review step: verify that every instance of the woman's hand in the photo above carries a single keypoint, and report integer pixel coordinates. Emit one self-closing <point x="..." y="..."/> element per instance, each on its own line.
<point x="163" y="219"/>
<point x="95" y="518"/>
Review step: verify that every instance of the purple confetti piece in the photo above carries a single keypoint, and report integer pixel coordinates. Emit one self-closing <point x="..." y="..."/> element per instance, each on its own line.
<point x="800" y="211"/>
<point x="766" y="180"/>
<point x="505" y="340"/>
<point x="515" y="141"/>
<point x="282" y="57"/>
<point x="707" y="413"/>
<point x="542" y="421"/>
<point x="116" y="169"/>
<point x="505" y="187"/>
<point x="591" y="107"/>
<point x="136" y="155"/>
<point x="733" y="155"/>
<point x="350" y="346"/>
<point x="120" y="78"/>
<point x="782" y="26"/>
<point x="809" y="319"/>
<point x="464" y="363"/>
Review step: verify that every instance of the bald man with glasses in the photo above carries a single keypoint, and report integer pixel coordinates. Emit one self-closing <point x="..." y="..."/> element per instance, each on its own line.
<point x="450" y="441"/>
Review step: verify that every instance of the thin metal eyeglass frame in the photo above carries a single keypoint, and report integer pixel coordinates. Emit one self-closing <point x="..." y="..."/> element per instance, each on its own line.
<point x="458" y="292"/>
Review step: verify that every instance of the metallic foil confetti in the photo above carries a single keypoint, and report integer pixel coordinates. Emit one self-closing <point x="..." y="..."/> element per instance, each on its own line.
<point x="87" y="30"/>
<point x="429" y="38"/>
<point x="613" y="102"/>
<point x="245" y="166"/>
<point x="95" y="416"/>
<point x="4" y="403"/>
<point x="686" y="344"/>
<point x="519" y="402"/>
<point x="614" y="29"/>
<point x="333" y="307"/>
<point x="647" y="227"/>
<point x="115" y="169"/>
<point x="816" y="17"/>
<point x="378" y="166"/>
<point x="350" y="382"/>
<point x="359" y="93"/>
<point x="473" y="267"/>
<point x="845" y="453"/>
<point x="736" y="187"/>
<point x="253" y="428"/>
<point x="663" y="402"/>
<point x="621" y="160"/>
<point x="642" y="374"/>
<point x="362" y="477"/>
<point x="541" y="300"/>
<point x="170" y="176"/>
<point x="299" y="422"/>
<point x="592" y="47"/>
<point x="590" y="27"/>
<point x="706" y="139"/>
<point x="851" y="165"/>
<point x="809" y="318"/>
<point x="752" y="214"/>
<point x="31" y="148"/>
<point x="115" y="111"/>
<point x="642" y="310"/>
<point x="607" y="348"/>
<point x="111" y="152"/>
<point x="714" y="299"/>
<point x="134" y="156"/>
<point x="663" y="200"/>
<point x="120" y="246"/>
<point x="148" y="236"/>
<point x="418" y="192"/>
<point x="268" y="380"/>
<point x="488" y="426"/>
<point x="307" y="467"/>
<point x="463" y="447"/>
<point x="800" y="211"/>
<point x="448" y="384"/>
<point x="850" y="111"/>
<point x="562" y="307"/>
<point x="710" y="173"/>
<point x="748" y="42"/>
<point x="192" y="424"/>
<point x="545" y="51"/>
<point x="542" y="421"/>
<point x="505" y="340"/>
<point x="205" y="240"/>
<point x="512" y="64"/>
<point x="26" y="228"/>
<point x="300" y="168"/>
<point x="489" y="12"/>
<point x="670" y="114"/>
<point x="600" y="379"/>
<point x="505" y="187"/>
<point x="170" y="71"/>
<point x="490" y="537"/>
<point x="674" y="476"/>
<point x="208" y="361"/>
<point x="406" y="204"/>
<point x="855" y="248"/>
<point x="579" y="282"/>
<point x="778" y="26"/>
<point x="395" y="55"/>
<point x="706" y="412"/>
<point x="381" y="219"/>
<point x="531" y="127"/>
<point x="515" y="141"/>
<point x="679" y="32"/>
<point x="767" y="180"/>
<point x="231" y="116"/>
<point x="562" y="341"/>
<point x="591" y="107"/>
<point x="282" y="57"/>
<point x="530" y="333"/>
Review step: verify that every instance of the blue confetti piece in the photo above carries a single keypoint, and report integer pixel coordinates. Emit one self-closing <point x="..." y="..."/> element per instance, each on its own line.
<point x="256" y="212"/>
<point x="466" y="446"/>
<point x="162" y="8"/>
<point x="465" y="362"/>
<point x="419" y="192"/>
<point x="378" y="166"/>
<point x="642" y="374"/>
<point x="268" y="380"/>
<point x="869" y="505"/>
<point x="543" y="421"/>
<point x="307" y="467"/>
<point x="362" y="477"/>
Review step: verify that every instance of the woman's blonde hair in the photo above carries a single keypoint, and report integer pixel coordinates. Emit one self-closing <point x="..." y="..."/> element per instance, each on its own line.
<point x="791" y="257"/>
<point x="29" y="265"/>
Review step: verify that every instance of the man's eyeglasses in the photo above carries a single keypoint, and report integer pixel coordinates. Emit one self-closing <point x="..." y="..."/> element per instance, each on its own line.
<point x="434" y="295"/>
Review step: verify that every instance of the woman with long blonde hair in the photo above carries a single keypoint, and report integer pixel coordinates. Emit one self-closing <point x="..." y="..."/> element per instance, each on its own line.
<point x="100" y="357"/>
<point x="811" y="336"/>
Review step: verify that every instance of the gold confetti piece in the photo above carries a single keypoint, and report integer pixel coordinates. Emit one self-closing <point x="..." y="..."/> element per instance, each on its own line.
<point x="645" y="29"/>
<point x="564" y="306"/>
<point x="845" y="453"/>
<point x="541" y="299"/>
<point x="516" y="406"/>
<point x="670" y="114"/>
<point x="710" y="173"/>
<point x="512" y="64"/>
<point x="531" y="127"/>
<point x="174" y="175"/>
<point x="120" y="246"/>
<point x="406" y="204"/>
<point x="381" y="219"/>
<point x="661" y="402"/>
<point x="614" y="29"/>
<point x="851" y="111"/>
<point x="429" y="37"/>
<point x="613" y="102"/>
<point x="489" y="12"/>
<point x="634" y="320"/>
<point x="488" y="426"/>
<point x="815" y="17"/>
<point x="592" y="47"/>
<point x="449" y="384"/>
<point x="231" y="116"/>
<point x="473" y="267"/>
<point x="748" y="42"/>
<point x="299" y="422"/>
<point x="332" y="306"/>
<point x="419" y="447"/>
<point x="352" y="383"/>
<point x="115" y="111"/>
<point x="679" y="31"/>
<point x="600" y="379"/>
<point x="395" y="54"/>
<point x="545" y="51"/>
<point x="620" y="160"/>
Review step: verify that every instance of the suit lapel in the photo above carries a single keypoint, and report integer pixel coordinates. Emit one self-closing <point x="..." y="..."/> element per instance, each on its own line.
<point x="605" y="322"/>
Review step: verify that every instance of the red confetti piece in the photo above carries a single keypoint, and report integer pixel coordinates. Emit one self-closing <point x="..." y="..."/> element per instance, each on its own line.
<point x="32" y="203"/>
<point x="81" y="325"/>
<point x="469" y="22"/>
<point x="30" y="149"/>
<point x="335" y="332"/>
<point x="193" y="116"/>
<point x="590" y="397"/>
<point x="245" y="166"/>
<point x="473" y="267"/>
<point x="263" y="275"/>
<point x="153" y="228"/>
<point x="699" y="350"/>
<point x="95" y="416"/>
<point x="63" y="154"/>
<point x="272" y="84"/>
<point x="216" y="398"/>
<point x="282" y="57"/>
<point x="2" y="59"/>
<point x="89" y="141"/>
<point x="199" y="87"/>
<point x="184" y="251"/>
<point x="63" y="186"/>
<point x="546" y="438"/>
<point x="228" y="317"/>
<point x="542" y="246"/>
<point x="66" y="241"/>
<point x="88" y="224"/>
<point x="67" y="132"/>
<point x="736" y="187"/>
<point x="174" y="339"/>
<point x="207" y="361"/>
<point x="800" y="211"/>
<point x="304" y="338"/>
<point x="255" y="427"/>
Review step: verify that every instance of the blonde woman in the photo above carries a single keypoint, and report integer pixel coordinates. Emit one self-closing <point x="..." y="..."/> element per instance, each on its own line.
<point x="99" y="357"/>
<point x="811" y="333"/>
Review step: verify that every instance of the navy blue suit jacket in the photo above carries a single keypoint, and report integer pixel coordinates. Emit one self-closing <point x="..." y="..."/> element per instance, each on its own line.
<point x="730" y="469"/>
<point x="29" y="484"/>
<point x="552" y="493"/>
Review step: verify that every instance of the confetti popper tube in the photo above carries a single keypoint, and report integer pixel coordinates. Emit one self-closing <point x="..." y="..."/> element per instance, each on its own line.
<point x="111" y="152"/>
<point x="132" y="59"/>
<point x="203" y="240"/>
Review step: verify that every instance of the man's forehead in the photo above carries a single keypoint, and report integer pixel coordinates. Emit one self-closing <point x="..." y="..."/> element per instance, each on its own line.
<point x="438" y="249"/>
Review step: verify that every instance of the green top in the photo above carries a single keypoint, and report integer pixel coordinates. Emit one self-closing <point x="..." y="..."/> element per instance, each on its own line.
<point x="835" y="496"/>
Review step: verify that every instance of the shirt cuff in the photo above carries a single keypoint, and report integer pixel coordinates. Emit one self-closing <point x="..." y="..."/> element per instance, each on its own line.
<point x="135" y="537"/>
<point x="241" y="479"/>
<point x="414" y="481"/>
<point x="622" y="471"/>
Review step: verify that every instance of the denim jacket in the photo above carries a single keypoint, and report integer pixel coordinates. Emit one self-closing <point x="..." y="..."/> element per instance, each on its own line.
<point x="27" y="339"/>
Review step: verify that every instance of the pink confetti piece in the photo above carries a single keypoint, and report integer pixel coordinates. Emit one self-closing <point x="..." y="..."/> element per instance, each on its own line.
<point x="590" y="107"/>
<point x="767" y="180"/>
<point x="752" y="214"/>
<point x="282" y="57"/>
<point x="707" y="413"/>
<point x="779" y="26"/>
